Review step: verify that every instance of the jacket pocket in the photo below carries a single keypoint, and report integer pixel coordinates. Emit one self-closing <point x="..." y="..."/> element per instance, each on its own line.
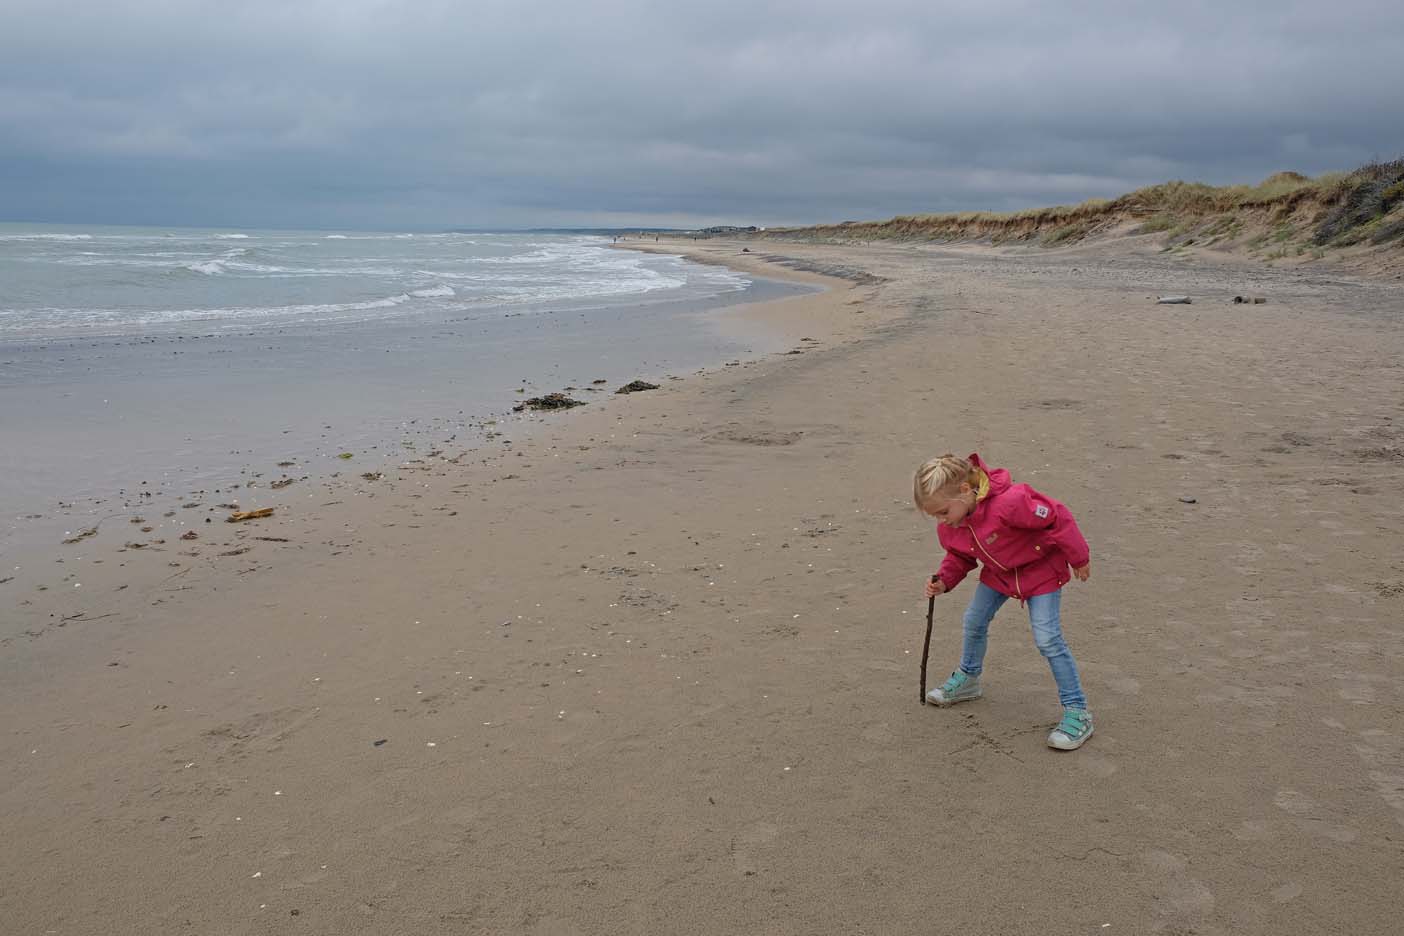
<point x="1013" y="550"/>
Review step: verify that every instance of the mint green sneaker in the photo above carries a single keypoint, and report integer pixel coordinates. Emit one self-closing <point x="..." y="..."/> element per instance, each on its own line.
<point x="1073" y="731"/>
<point x="961" y="687"/>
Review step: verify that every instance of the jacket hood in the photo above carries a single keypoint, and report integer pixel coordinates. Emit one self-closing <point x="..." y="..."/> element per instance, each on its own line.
<point x="999" y="477"/>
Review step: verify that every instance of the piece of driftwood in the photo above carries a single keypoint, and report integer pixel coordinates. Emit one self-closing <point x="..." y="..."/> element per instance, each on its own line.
<point x="926" y="644"/>
<point x="249" y="515"/>
<point x="1174" y="300"/>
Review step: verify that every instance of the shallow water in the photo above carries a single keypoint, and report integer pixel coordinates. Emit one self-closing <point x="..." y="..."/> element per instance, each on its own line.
<point x="93" y="417"/>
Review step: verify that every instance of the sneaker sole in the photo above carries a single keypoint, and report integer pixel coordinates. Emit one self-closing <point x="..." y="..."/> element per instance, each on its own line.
<point x="1073" y="746"/>
<point x="947" y="703"/>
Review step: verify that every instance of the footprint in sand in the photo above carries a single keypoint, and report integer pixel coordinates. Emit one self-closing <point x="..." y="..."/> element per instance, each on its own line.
<point x="1308" y="815"/>
<point x="879" y="733"/>
<point x="1182" y="903"/>
<point x="1357" y="693"/>
<point x="747" y="842"/>
<point x="1099" y="765"/>
<point x="1294" y="803"/>
<point x="1334" y="831"/>
<point x="549" y="926"/>
<point x="1252" y="830"/>
<point x="1126" y="685"/>
<point x="1383" y="753"/>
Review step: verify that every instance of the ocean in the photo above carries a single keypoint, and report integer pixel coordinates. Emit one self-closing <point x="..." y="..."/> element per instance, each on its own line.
<point x="74" y="281"/>
<point x="136" y="362"/>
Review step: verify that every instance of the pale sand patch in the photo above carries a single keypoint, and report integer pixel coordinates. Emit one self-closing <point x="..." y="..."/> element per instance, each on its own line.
<point x="653" y="668"/>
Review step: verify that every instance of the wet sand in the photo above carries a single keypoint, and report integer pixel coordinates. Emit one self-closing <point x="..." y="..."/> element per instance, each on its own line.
<point x="90" y="427"/>
<point x="652" y="667"/>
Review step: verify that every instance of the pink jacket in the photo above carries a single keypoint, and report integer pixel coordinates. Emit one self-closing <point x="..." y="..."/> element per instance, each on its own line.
<point x="1026" y="540"/>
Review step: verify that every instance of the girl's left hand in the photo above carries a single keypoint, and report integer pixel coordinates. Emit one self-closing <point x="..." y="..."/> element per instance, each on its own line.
<point x="1083" y="572"/>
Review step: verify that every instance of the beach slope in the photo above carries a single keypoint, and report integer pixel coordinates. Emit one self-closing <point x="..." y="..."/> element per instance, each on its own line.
<point x="652" y="667"/>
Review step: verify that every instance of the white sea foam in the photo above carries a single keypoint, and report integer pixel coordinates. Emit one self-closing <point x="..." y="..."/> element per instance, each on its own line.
<point x="57" y="319"/>
<point x="44" y="237"/>
<point x="159" y="280"/>
<point x="333" y="272"/>
<point x="546" y="254"/>
<point x="366" y="237"/>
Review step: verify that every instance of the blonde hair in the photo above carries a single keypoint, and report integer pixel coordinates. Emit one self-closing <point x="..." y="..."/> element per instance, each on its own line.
<point x="937" y="474"/>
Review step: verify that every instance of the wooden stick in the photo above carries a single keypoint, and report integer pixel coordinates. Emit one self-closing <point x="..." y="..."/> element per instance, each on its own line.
<point x="249" y="515"/>
<point x="926" y="647"/>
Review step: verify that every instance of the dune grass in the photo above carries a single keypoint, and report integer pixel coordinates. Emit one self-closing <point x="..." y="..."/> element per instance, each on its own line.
<point x="1332" y="210"/>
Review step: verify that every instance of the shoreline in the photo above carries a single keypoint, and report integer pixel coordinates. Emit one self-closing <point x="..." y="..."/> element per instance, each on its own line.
<point x="222" y="456"/>
<point x="653" y="668"/>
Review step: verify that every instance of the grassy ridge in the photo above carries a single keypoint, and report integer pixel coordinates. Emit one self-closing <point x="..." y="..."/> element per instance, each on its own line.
<point x="1286" y="212"/>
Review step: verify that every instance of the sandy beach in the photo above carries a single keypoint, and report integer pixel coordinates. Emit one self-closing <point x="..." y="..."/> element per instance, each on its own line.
<point x="651" y="667"/>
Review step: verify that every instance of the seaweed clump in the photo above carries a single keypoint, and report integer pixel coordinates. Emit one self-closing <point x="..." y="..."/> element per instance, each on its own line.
<point x="551" y="401"/>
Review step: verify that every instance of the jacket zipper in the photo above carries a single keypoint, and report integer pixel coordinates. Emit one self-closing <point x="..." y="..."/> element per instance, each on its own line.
<point x="976" y="540"/>
<point x="1018" y="591"/>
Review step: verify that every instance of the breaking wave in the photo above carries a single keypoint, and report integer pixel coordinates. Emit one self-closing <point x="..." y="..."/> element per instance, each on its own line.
<point x="134" y="280"/>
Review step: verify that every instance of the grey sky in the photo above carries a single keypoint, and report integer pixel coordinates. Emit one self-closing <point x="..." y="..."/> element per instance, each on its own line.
<point x="429" y="113"/>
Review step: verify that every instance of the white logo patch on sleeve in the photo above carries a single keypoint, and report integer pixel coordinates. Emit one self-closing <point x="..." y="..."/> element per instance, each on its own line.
<point x="1041" y="511"/>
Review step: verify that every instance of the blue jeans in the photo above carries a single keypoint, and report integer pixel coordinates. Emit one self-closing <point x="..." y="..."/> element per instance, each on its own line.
<point x="1047" y="633"/>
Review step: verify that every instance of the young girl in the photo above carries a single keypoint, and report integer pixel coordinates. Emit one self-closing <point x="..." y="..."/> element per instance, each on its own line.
<point x="1026" y="542"/>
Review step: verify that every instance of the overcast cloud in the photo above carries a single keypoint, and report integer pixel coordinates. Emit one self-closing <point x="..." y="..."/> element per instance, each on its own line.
<point x="429" y="113"/>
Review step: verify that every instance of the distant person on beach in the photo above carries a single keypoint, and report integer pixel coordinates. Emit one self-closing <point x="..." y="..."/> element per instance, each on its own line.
<point x="1030" y="547"/>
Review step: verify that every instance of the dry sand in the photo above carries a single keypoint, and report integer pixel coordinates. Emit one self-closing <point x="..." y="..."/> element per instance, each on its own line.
<point x="652" y="668"/>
